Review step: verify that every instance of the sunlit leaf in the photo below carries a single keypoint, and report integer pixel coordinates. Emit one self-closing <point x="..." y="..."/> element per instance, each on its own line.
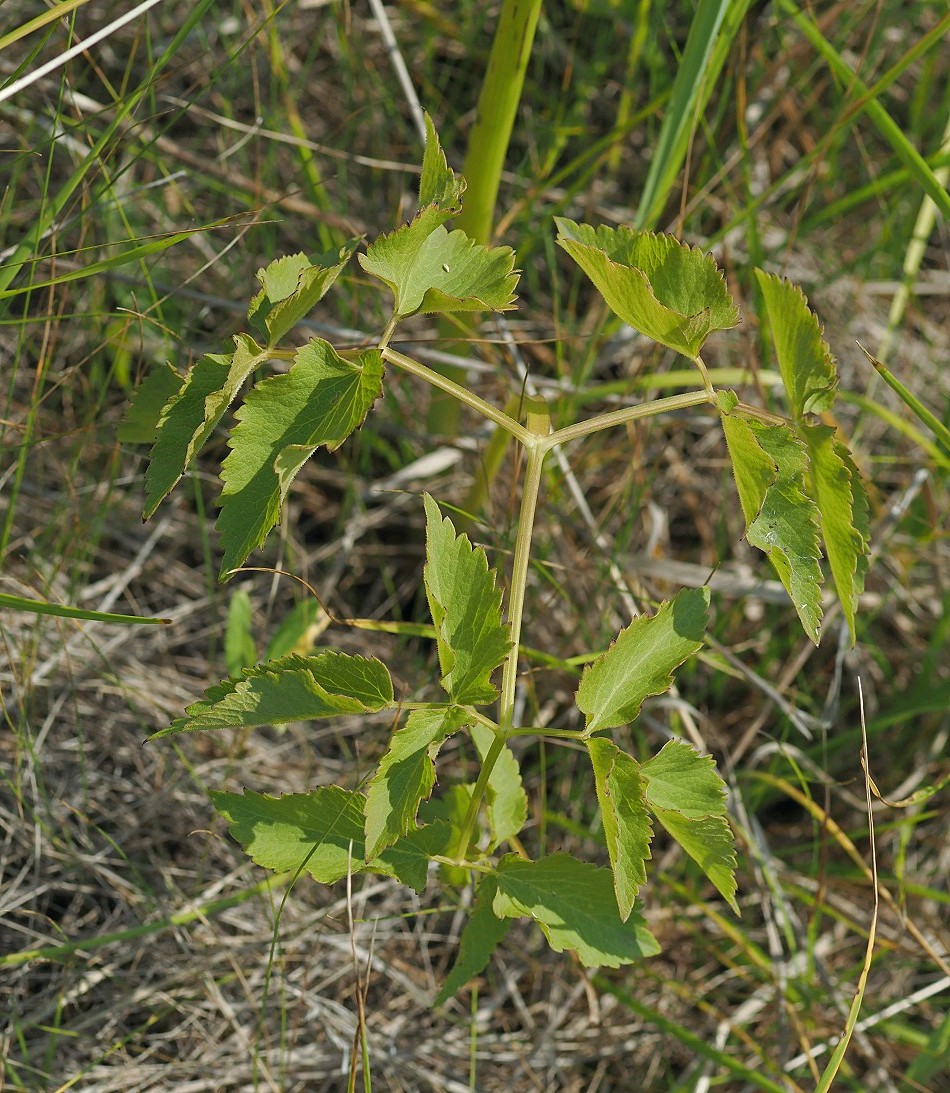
<point x="292" y="286"/>
<point x="641" y="660"/>
<point x="838" y="490"/>
<point x="804" y="359"/>
<point x="770" y="467"/>
<point x="686" y="794"/>
<point x="483" y="933"/>
<point x="620" y="792"/>
<point x="432" y="270"/>
<point x="291" y="689"/>
<point x="406" y="775"/>
<point x="439" y="184"/>
<point x="188" y="418"/>
<point x="284" y="419"/>
<point x="670" y="292"/>
<point x="321" y="833"/>
<point x="573" y="903"/>
<point x="465" y="604"/>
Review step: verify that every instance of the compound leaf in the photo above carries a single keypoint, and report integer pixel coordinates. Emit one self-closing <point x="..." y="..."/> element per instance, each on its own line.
<point x="406" y="775"/>
<point x="686" y="794"/>
<point x="465" y="604"/>
<point x="627" y="828"/>
<point x="321" y="833"/>
<point x="670" y="292"/>
<point x="507" y="800"/>
<point x="573" y="903"/>
<point x="432" y="270"/>
<point x="284" y="419"/>
<point x="804" y="359"/>
<point x="770" y="466"/>
<point x="641" y="660"/>
<point x="290" y="689"/>
<point x="483" y="933"/>
<point x="842" y="503"/>
<point x="189" y="417"/>
<point x="292" y="286"/>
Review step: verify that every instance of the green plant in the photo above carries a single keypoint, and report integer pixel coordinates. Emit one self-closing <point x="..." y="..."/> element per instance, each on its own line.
<point x="797" y="485"/>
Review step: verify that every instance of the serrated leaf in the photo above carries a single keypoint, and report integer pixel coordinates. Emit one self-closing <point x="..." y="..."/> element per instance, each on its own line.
<point x="408" y="858"/>
<point x="573" y="903"/>
<point x="507" y="800"/>
<point x="284" y="419"/>
<point x="627" y="828"/>
<point x="140" y="423"/>
<point x="686" y="794"/>
<point x="314" y="830"/>
<point x="804" y="359"/>
<point x="770" y="466"/>
<point x="188" y="419"/>
<point x="465" y="604"/>
<point x="838" y="490"/>
<point x="641" y="660"/>
<point x="670" y="292"/>
<point x="406" y="775"/>
<point x="321" y="832"/>
<point x="239" y="650"/>
<point x="439" y="185"/>
<point x="292" y="286"/>
<point x="432" y="270"/>
<point x="483" y="933"/>
<point x="291" y="689"/>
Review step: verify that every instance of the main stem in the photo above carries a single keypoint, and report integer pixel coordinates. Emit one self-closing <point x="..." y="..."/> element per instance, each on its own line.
<point x="516" y="596"/>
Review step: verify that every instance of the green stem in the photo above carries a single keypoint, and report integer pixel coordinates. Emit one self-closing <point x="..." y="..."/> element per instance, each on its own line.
<point x="546" y="734"/>
<point x="461" y="393"/>
<point x="516" y="596"/>
<point x="519" y="578"/>
<point x="621" y="417"/>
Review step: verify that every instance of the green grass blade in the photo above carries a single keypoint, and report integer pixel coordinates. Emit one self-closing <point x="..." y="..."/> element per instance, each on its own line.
<point x="52" y="15"/>
<point x="917" y="408"/>
<point x="40" y="607"/>
<point x="495" y="114"/>
<point x="710" y="36"/>
<point x="868" y="103"/>
<point x="51" y="212"/>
